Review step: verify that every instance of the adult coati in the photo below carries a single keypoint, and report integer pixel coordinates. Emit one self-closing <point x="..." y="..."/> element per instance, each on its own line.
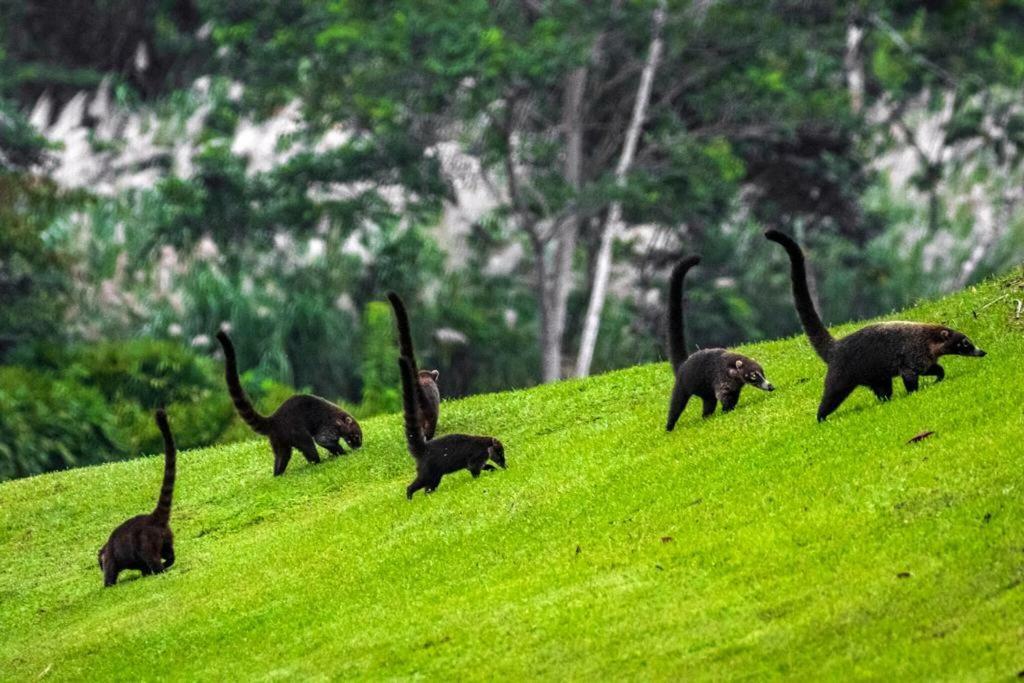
<point x="873" y="355"/>
<point x="428" y="396"/>
<point x="145" y="542"/>
<point x="712" y="374"/>
<point x="301" y="422"/>
<point x="446" y="454"/>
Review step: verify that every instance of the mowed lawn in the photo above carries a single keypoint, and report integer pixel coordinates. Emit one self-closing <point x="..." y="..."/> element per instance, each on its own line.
<point x="751" y="545"/>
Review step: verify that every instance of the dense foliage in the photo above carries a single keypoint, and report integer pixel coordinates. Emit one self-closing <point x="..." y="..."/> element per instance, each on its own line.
<point x="759" y="115"/>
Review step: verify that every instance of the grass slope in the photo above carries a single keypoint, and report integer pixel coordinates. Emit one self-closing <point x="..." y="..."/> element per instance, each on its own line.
<point x="753" y="544"/>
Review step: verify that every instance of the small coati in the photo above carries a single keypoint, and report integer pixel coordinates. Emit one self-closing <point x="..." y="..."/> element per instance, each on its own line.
<point x="301" y="422"/>
<point x="873" y="355"/>
<point x="428" y="396"/>
<point x="446" y="454"/>
<point x="712" y="374"/>
<point x="145" y="542"/>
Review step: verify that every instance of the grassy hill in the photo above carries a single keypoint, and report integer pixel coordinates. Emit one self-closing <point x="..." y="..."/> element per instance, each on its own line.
<point x="754" y="544"/>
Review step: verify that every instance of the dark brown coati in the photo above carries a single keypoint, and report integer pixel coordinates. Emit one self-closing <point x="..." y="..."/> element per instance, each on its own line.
<point x="145" y="542"/>
<point x="873" y="355"/>
<point x="301" y="422"/>
<point x="711" y="374"/>
<point x="428" y="396"/>
<point x="446" y="454"/>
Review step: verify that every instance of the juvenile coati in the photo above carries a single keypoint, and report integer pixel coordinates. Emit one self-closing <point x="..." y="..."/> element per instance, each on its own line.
<point x="428" y="396"/>
<point x="712" y="374"/>
<point x="873" y="355"/>
<point x="145" y="542"/>
<point x="446" y="454"/>
<point x="301" y="422"/>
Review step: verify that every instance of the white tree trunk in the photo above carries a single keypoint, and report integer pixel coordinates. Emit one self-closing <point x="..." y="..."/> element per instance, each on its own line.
<point x="613" y="222"/>
<point x="556" y="296"/>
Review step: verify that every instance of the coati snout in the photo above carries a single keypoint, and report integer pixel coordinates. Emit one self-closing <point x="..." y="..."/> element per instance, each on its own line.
<point x="957" y="344"/>
<point x="497" y="454"/>
<point x="752" y="373"/>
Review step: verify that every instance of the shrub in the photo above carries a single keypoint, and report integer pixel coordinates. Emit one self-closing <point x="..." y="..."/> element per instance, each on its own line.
<point x="50" y="423"/>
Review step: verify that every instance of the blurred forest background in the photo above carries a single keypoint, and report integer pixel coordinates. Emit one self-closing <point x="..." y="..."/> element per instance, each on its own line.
<point x="523" y="172"/>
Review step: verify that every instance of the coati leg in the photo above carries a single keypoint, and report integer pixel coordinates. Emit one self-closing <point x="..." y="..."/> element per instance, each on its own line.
<point x="109" y="574"/>
<point x="936" y="371"/>
<point x="883" y="388"/>
<point x="282" y="454"/>
<point x="415" y="486"/>
<point x="729" y="400"/>
<point x="835" y="393"/>
<point x="308" y="449"/>
<point x="432" y="484"/>
<point x="167" y="552"/>
<point x="152" y="548"/>
<point x="331" y="446"/>
<point x="909" y="380"/>
<point x="709" y="406"/>
<point x="676" y="405"/>
<point x="488" y="467"/>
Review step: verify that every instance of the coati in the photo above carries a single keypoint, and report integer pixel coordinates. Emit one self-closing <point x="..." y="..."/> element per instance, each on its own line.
<point x="428" y="396"/>
<point x="301" y="422"/>
<point x="712" y="374"/>
<point x="446" y="454"/>
<point x="873" y="355"/>
<point x="145" y="542"/>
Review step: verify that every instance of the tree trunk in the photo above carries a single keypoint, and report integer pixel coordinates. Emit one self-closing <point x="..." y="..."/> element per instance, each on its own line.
<point x="613" y="222"/>
<point x="556" y="297"/>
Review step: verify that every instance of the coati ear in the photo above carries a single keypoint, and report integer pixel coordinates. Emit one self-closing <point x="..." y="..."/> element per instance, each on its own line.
<point x="739" y="364"/>
<point x="348" y="420"/>
<point x="945" y="334"/>
<point x="435" y="374"/>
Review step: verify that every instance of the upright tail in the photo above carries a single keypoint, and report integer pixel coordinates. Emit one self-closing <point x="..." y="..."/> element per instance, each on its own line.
<point x="816" y="331"/>
<point x="162" y="513"/>
<point x="676" y="332"/>
<point x="259" y="423"/>
<point x="404" y="333"/>
<point x="413" y="431"/>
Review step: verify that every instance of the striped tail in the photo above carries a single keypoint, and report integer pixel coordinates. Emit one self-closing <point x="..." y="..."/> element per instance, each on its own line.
<point x="676" y="326"/>
<point x="816" y="331"/>
<point x="162" y="513"/>
<point x="259" y="423"/>
<point x="404" y="333"/>
<point x="410" y="409"/>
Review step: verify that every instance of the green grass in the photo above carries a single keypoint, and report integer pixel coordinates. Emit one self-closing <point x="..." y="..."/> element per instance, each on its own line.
<point x="756" y="544"/>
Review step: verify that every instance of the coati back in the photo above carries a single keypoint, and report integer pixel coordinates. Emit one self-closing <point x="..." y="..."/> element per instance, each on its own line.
<point x="444" y="455"/>
<point x="873" y="355"/>
<point x="428" y="396"/>
<point x="145" y="542"/>
<point x="711" y="374"/>
<point x="301" y="422"/>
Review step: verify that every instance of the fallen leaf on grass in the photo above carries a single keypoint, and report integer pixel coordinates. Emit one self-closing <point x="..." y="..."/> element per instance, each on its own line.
<point x="920" y="437"/>
<point x="903" y="575"/>
<point x="667" y="539"/>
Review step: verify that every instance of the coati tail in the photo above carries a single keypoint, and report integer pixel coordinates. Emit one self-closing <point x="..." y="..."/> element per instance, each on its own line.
<point x="404" y="333"/>
<point x="259" y="423"/>
<point x="162" y="513"/>
<point x="413" y="431"/>
<point x="676" y="332"/>
<point x="816" y="331"/>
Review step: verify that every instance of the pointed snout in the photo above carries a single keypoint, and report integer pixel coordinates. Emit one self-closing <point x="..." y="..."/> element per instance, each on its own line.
<point x="766" y="386"/>
<point x="979" y="353"/>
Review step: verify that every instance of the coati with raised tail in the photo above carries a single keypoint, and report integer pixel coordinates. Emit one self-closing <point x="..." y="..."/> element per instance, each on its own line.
<point x="446" y="454"/>
<point x="145" y="542"/>
<point x="428" y="396"/>
<point x="301" y="422"/>
<point x="711" y="374"/>
<point x="873" y="355"/>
